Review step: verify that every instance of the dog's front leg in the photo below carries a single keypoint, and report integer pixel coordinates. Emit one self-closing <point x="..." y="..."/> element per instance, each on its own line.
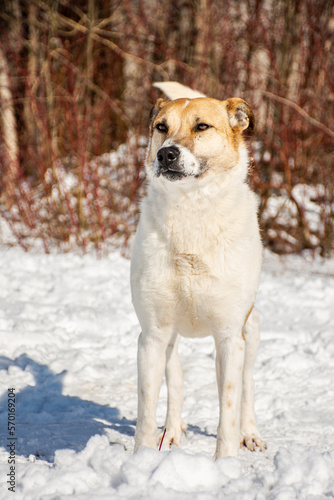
<point x="229" y="367"/>
<point x="250" y="436"/>
<point x="151" y="366"/>
<point x="174" y="378"/>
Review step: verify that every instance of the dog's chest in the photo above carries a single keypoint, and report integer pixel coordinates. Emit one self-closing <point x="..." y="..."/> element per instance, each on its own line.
<point x="187" y="264"/>
<point x="196" y="254"/>
<point x="194" y="237"/>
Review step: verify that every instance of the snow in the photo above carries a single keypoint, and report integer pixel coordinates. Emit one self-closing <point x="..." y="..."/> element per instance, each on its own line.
<point x="68" y="338"/>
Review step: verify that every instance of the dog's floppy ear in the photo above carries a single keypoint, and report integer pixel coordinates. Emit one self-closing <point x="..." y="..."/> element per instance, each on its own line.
<point x="240" y="115"/>
<point x="160" y="103"/>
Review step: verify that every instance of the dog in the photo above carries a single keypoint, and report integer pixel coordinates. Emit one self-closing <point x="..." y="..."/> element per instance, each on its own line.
<point x="196" y="263"/>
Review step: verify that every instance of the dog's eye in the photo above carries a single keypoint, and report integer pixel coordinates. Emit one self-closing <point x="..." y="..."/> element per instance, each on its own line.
<point x="161" y="127"/>
<point x="202" y="126"/>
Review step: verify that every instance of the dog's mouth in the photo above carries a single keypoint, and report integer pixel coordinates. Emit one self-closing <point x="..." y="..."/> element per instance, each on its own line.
<point x="171" y="175"/>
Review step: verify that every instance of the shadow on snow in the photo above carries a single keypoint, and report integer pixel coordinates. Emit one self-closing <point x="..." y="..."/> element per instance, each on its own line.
<point x="47" y="421"/>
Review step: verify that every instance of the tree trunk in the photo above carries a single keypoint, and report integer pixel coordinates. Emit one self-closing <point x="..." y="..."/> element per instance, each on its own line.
<point x="9" y="130"/>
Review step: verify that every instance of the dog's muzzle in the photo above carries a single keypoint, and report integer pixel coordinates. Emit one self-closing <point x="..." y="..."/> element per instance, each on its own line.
<point x="168" y="163"/>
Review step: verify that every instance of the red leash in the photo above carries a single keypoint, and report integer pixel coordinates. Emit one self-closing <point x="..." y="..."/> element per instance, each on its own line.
<point x="162" y="439"/>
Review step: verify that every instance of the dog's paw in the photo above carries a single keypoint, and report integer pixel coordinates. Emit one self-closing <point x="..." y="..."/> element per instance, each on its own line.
<point x="173" y="434"/>
<point x="252" y="442"/>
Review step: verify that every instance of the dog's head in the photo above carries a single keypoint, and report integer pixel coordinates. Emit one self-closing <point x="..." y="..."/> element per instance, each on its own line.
<point x="196" y="138"/>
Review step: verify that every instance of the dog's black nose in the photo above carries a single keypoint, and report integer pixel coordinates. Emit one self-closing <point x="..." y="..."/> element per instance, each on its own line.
<point x="167" y="156"/>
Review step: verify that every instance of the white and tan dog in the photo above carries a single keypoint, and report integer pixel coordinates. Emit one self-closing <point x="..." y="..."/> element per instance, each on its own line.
<point x="196" y="263"/>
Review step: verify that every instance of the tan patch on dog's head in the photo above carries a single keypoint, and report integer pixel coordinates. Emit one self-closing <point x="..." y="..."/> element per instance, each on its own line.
<point x="210" y="129"/>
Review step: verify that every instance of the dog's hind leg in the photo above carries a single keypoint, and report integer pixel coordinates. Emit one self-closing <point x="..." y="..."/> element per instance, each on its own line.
<point x="250" y="436"/>
<point x="151" y="364"/>
<point x="174" y="378"/>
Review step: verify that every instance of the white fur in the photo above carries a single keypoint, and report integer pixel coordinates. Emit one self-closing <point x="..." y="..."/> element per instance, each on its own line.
<point x="194" y="272"/>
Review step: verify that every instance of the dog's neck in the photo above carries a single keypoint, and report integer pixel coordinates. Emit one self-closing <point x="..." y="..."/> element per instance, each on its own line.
<point x="189" y="217"/>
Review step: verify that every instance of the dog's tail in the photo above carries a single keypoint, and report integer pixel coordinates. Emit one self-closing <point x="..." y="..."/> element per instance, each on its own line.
<point x="174" y="90"/>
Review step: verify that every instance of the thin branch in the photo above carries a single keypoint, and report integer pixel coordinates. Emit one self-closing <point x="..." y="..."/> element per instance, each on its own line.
<point x="293" y="105"/>
<point x="93" y="33"/>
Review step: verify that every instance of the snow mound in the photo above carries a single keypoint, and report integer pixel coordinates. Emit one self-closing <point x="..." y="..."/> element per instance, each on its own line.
<point x="68" y="338"/>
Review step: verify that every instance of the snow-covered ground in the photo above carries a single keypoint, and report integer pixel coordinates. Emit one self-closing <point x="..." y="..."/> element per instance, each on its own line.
<point x="68" y="338"/>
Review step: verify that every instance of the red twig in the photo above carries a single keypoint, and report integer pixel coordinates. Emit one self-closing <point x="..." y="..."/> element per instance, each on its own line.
<point x="162" y="439"/>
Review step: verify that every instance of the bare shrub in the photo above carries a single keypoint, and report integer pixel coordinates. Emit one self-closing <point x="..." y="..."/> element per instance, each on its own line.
<point x="78" y="79"/>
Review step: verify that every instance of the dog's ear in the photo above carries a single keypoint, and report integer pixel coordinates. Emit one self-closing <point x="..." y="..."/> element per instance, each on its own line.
<point x="240" y="115"/>
<point x="160" y="103"/>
